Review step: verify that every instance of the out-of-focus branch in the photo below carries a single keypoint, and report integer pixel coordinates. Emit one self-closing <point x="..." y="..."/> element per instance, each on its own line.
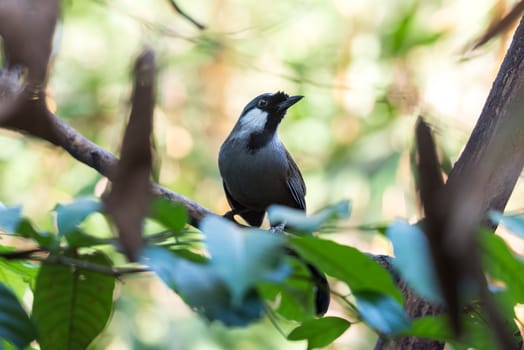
<point x="128" y="200"/>
<point x="501" y="25"/>
<point x="184" y="14"/>
<point x="485" y="175"/>
<point x="26" y="28"/>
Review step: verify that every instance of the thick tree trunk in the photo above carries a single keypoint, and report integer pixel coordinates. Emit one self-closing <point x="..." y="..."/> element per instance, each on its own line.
<point x="496" y="148"/>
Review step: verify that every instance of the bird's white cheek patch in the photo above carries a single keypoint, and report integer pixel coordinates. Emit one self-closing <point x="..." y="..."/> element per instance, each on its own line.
<point x="253" y="121"/>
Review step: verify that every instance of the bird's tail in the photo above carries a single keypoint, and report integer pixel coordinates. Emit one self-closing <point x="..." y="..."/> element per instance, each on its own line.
<point x="322" y="291"/>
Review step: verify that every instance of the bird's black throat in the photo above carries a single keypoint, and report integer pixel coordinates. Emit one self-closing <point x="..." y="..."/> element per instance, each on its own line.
<point x="258" y="140"/>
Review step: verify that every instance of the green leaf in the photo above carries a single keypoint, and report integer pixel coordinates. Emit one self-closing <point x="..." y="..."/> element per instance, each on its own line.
<point x="514" y="223"/>
<point x="502" y="264"/>
<point x="319" y="332"/>
<point x="382" y="313"/>
<point x="17" y="275"/>
<point x="413" y="259"/>
<point x="478" y="333"/>
<point x="187" y="254"/>
<point x="295" y="295"/>
<point x="25" y="229"/>
<point x="348" y="264"/>
<point x="430" y="327"/>
<point x="72" y="305"/>
<point x="171" y="215"/>
<point x="78" y="238"/>
<point x="202" y="288"/>
<point x="10" y="218"/>
<point x="15" y="325"/>
<point x="377" y="227"/>
<point x="243" y="258"/>
<point x="297" y="219"/>
<point x="69" y="216"/>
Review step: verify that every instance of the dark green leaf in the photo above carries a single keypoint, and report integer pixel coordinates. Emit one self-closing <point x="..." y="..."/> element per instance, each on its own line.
<point x="17" y="275"/>
<point x="382" y="313"/>
<point x="514" y="223"/>
<point x="295" y="295"/>
<point x="78" y="238"/>
<point x="10" y="217"/>
<point x="72" y="306"/>
<point x="25" y="229"/>
<point x="187" y="254"/>
<point x="243" y="258"/>
<point x="348" y="264"/>
<point x="319" y="332"/>
<point x="413" y="259"/>
<point x="478" y="333"/>
<point x="296" y="303"/>
<point x="430" y="327"/>
<point x="202" y="288"/>
<point x="502" y="264"/>
<point x="171" y="215"/>
<point x="15" y="325"/>
<point x="297" y="219"/>
<point x="69" y="216"/>
<point x="380" y="228"/>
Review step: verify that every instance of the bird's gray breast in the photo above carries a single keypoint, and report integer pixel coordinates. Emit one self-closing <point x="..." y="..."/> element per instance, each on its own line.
<point x="256" y="178"/>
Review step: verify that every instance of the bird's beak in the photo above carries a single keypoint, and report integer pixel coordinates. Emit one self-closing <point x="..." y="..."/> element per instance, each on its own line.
<point x="290" y="101"/>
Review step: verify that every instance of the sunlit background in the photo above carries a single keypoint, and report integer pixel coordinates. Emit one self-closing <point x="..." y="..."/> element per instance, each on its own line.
<point x="367" y="68"/>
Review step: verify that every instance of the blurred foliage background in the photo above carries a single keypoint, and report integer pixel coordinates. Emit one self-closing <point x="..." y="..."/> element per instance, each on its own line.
<point x="368" y="68"/>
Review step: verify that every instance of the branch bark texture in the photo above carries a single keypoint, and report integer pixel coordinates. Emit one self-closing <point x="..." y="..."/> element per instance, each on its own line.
<point x="486" y="172"/>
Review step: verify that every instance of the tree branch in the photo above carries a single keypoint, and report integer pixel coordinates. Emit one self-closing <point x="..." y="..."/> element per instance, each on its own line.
<point x="42" y="255"/>
<point x="184" y="14"/>
<point x="497" y="142"/>
<point x="485" y="175"/>
<point x="104" y="162"/>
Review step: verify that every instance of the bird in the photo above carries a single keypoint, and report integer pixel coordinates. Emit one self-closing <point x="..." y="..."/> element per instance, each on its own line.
<point x="258" y="171"/>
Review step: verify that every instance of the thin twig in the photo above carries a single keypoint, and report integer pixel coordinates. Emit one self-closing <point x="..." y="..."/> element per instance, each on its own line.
<point x="21" y="254"/>
<point x="185" y="15"/>
<point x="29" y="254"/>
<point x="86" y="265"/>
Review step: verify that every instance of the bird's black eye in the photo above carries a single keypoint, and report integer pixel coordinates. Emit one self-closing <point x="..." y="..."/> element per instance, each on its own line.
<point x="262" y="103"/>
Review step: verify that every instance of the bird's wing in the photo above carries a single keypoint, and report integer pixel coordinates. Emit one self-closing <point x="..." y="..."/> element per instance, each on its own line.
<point x="253" y="217"/>
<point x="295" y="183"/>
<point x="232" y="202"/>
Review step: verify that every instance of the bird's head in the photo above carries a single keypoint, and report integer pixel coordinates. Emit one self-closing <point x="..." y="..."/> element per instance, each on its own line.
<point x="265" y="112"/>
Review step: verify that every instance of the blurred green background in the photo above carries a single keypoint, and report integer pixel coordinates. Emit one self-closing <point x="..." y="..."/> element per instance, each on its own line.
<point x="368" y="68"/>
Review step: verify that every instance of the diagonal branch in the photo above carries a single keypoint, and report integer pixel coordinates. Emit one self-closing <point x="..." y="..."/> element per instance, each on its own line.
<point x="486" y="173"/>
<point x="94" y="156"/>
